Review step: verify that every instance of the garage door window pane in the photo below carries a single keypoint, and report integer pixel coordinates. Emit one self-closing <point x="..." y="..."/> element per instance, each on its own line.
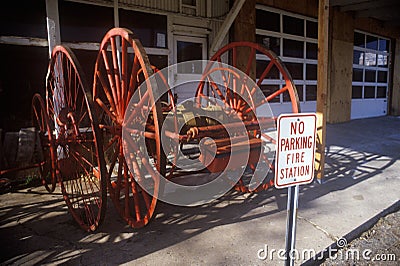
<point x="369" y="92"/>
<point x="372" y="42"/>
<point x="268" y="90"/>
<point x="358" y="57"/>
<point x="267" y="20"/>
<point x="357" y="74"/>
<point x="261" y="65"/>
<point x="312" y="29"/>
<point x="312" y="50"/>
<point x="271" y="43"/>
<point x="381" y="92"/>
<point x="382" y="76"/>
<point x="292" y="25"/>
<point x="295" y="69"/>
<point x="293" y="48"/>
<point x="357" y="92"/>
<point x="311" y="72"/>
<point x="383" y="45"/>
<point x="370" y="76"/>
<point x="382" y="60"/>
<point x="311" y="93"/>
<point x="370" y="59"/>
<point x="299" y="89"/>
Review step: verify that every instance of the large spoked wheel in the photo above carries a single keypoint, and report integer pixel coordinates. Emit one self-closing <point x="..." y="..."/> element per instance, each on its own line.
<point x="121" y="66"/>
<point x="46" y="144"/>
<point x="79" y="157"/>
<point x="275" y="83"/>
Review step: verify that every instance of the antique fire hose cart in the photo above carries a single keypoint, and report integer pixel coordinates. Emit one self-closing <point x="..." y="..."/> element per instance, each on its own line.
<point x="125" y="136"/>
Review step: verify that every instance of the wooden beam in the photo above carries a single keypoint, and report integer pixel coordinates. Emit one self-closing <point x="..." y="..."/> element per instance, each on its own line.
<point x="322" y="85"/>
<point x="368" y="5"/>
<point x="345" y="2"/>
<point x="226" y="25"/>
<point x="383" y="13"/>
<point x="27" y="41"/>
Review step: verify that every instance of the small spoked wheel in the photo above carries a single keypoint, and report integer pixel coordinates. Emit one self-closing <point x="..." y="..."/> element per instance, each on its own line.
<point x="45" y="143"/>
<point x="121" y="66"/>
<point x="276" y="85"/>
<point x="79" y="160"/>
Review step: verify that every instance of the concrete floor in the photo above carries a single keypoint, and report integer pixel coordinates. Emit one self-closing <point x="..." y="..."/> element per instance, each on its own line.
<point x="362" y="179"/>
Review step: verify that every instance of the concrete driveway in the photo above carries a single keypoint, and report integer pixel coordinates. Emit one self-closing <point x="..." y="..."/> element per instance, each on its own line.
<point x="362" y="180"/>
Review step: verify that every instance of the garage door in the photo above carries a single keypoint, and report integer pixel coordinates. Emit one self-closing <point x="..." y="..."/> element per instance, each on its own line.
<point x="370" y="75"/>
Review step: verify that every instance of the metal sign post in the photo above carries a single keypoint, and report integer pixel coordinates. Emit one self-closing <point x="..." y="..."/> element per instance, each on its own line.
<point x="292" y="204"/>
<point x="294" y="165"/>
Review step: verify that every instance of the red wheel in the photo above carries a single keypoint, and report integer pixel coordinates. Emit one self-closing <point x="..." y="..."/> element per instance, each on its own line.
<point x="45" y="140"/>
<point x="79" y="158"/>
<point x="272" y="68"/>
<point x="121" y="66"/>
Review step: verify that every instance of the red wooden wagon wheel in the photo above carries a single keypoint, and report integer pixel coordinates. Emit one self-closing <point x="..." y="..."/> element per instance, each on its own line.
<point x="231" y="95"/>
<point x="41" y="123"/>
<point x="121" y="66"/>
<point x="79" y="160"/>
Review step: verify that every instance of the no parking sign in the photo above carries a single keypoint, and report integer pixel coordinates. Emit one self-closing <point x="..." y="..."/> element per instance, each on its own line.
<point x="295" y="152"/>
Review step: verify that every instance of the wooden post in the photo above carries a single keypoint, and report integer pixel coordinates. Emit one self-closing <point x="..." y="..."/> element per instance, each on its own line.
<point x="244" y="28"/>
<point x="53" y="24"/>
<point x="395" y="93"/>
<point x="322" y="85"/>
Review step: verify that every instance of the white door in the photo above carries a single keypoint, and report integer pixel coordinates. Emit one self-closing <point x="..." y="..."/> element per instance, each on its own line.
<point x="186" y="76"/>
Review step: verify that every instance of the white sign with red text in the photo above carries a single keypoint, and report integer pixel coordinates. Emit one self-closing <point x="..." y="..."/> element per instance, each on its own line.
<point x="295" y="149"/>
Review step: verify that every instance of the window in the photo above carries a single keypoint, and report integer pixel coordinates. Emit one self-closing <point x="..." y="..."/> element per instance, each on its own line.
<point x="24" y="19"/>
<point x="150" y="28"/>
<point x="188" y="51"/>
<point x="294" y="38"/>
<point x="370" y="66"/>
<point x="81" y="23"/>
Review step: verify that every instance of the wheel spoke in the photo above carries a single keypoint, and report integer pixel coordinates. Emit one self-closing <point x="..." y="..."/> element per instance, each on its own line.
<point x="105" y="109"/>
<point x="250" y="61"/>
<point x="265" y="73"/>
<point x="106" y="92"/>
<point x="110" y="79"/>
<point x="136" y="202"/>
<point x="124" y="74"/>
<point x="133" y="77"/>
<point x="234" y="57"/>
<point x="116" y="75"/>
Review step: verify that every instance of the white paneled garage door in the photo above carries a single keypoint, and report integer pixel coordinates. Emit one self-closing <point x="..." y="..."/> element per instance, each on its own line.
<point x="294" y="38"/>
<point x="370" y="75"/>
